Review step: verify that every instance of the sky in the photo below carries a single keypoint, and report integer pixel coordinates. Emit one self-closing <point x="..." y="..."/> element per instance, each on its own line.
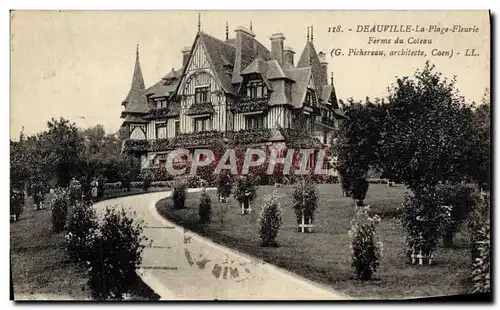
<point x="78" y="64"/>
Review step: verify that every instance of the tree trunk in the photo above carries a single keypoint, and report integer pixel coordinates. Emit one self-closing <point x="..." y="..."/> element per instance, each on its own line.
<point x="448" y="239"/>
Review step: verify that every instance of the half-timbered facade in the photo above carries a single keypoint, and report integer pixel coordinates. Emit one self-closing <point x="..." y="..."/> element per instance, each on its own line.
<point x="235" y="89"/>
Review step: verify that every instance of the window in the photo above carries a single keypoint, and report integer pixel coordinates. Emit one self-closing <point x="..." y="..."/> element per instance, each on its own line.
<point x="201" y="124"/>
<point x="254" y="122"/>
<point x="177" y="127"/>
<point x="161" y="130"/>
<point x="202" y="94"/>
<point x="256" y="89"/>
<point x="310" y="99"/>
<point x="162" y="103"/>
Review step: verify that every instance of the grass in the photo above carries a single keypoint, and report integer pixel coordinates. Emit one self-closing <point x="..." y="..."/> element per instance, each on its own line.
<point x="40" y="265"/>
<point x="324" y="255"/>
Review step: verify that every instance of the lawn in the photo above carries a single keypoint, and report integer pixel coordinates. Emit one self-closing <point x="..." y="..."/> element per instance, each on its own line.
<point x="40" y="266"/>
<point x="324" y="255"/>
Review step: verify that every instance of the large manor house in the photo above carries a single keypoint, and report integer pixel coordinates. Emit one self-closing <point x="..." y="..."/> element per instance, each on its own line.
<point x="237" y="90"/>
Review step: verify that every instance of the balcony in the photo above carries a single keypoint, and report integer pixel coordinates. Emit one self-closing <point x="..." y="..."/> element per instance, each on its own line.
<point x="200" y="109"/>
<point x="247" y="105"/>
<point x="250" y="136"/>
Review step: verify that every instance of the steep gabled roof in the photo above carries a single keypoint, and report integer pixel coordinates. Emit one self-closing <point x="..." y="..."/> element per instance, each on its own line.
<point x="258" y="66"/>
<point x="329" y="97"/>
<point x="166" y="86"/>
<point x="309" y="58"/>
<point x="136" y="101"/>
<point x="301" y="76"/>
<point x="247" y="50"/>
<point x="221" y="54"/>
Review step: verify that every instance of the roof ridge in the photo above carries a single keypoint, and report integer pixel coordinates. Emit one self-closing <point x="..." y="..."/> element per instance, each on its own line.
<point x="215" y="38"/>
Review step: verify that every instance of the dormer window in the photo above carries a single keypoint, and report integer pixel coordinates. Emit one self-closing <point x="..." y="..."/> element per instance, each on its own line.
<point x="162" y="103"/>
<point x="202" y="94"/>
<point x="310" y="98"/>
<point x="256" y="89"/>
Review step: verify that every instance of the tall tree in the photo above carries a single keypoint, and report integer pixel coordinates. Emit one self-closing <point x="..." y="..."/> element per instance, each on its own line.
<point x="428" y="131"/>
<point x="66" y="145"/>
<point x="356" y="144"/>
<point x="481" y="159"/>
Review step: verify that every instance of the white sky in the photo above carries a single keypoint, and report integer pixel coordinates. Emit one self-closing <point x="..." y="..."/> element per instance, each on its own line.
<point x="79" y="65"/>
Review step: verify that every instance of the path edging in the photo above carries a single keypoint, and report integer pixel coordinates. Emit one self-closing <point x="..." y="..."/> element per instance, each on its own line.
<point x="292" y="276"/>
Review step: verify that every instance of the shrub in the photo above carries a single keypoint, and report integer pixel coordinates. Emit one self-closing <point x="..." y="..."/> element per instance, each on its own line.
<point x="462" y="199"/>
<point x="75" y="191"/>
<point x="305" y="196"/>
<point x="16" y="201"/>
<point x="179" y="194"/>
<point x="59" y="209"/>
<point x="82" y="222"/>
<point x="245" y="188"/>
<point x="224" y="184"/>
<point x="479" y="231"/>
<point x="423" y="219"/>
<point x="146" y="181"/>
<point x="101" y="180"/>
<point x="270" y="220"/>
<point x="136" y="184"/>
<point x="205" y="209"/>
<point x="116" y="249"/>
<point x="359" y="188"/>
<point x="366" y="249"/>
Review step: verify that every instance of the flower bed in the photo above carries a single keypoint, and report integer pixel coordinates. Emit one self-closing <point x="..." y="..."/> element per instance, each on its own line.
<point x="196" y="138"/>
<point x="133" y="146"/>
<point x="200" y="108"/>
<point x="250" y="136"/>
<point x="251" y="105"/>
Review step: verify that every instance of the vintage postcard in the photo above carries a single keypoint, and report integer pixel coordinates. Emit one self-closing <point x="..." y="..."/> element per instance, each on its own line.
<point x="250" y="155"/>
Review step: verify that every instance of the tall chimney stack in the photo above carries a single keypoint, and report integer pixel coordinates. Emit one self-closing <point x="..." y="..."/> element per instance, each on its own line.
<point x="186" y="51"/>
<point x="324" y="68"/>
<point x="288" y="53"/>
<point x="277" y="47"/>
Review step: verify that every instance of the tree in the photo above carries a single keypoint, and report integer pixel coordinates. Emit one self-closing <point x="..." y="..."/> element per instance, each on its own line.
<point x="481" y="157"/>
<point x="356" y="144"/>
<point x="66" y="145"/>
<point x="427" y="139"/>
<point x="428" y="132"/>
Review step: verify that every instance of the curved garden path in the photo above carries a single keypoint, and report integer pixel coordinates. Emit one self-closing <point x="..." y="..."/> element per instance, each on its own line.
<point x="181" y="265"/>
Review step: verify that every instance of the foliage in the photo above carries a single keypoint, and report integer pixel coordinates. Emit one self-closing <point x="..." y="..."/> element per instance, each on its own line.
<point x="116" y="249"/>
<point x="480" y="230"/>
<point x="356" y="145"/>
<point x="366" y="249"/>
<point x="270" y="220"/>
<point x="305" y="196"/>
<point x="481" y="157"/>
<point x="224" y="184"/>
<point x="428" y="134"/>
<point x="245" y="189"/>
<point x="82" y="222"/>
<point x="424" y="220"/>
<point x="179" y="193"/>
<point x="462" y="199"/>
<point x="59" y="209"/>
<point x="205" y="209"/>
<point x="147" y="179"/>
<point x="251" y="136"/>
<point x="16" y="201"/>
<point x="136" y="146"/>
<point x="75" y="191"/>
<point x="65" y="145"/>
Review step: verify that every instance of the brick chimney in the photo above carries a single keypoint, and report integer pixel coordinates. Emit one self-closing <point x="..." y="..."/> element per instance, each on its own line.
<point x="186" y="51"/>
<point x="324" y="68"/>
<point x="288" y="53"/>
<point x="277" y="47"/>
